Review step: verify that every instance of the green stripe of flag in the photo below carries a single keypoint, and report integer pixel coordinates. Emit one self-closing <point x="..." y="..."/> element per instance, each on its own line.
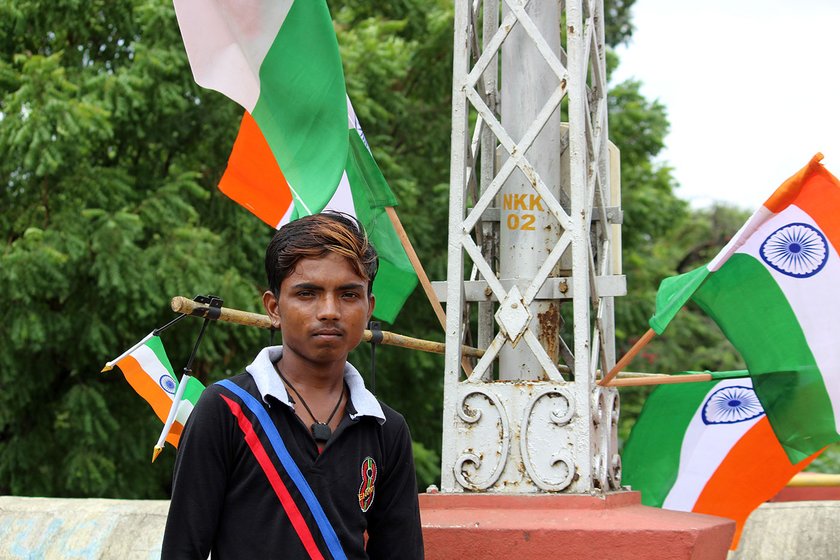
<point x="651" y="456"/>
<point x="193" y="390"/>
<point x="302" y="108"/>
<point x="672" y="295"/>
<point x="156" y="346"/>
<point x="371" y="194"/>
<point x="785" y="373"/>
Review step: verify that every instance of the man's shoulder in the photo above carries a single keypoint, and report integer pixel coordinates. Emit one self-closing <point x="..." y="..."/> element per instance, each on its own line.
<point x="243" y="380"/>
<point x="391" y="415"/>
<point x="395" y="425"/>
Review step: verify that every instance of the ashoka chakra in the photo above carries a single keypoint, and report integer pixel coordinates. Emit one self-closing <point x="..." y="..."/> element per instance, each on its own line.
<point x="797" y="250"/>
<point x="168" y="384"/>
<point x="730" y="405"/>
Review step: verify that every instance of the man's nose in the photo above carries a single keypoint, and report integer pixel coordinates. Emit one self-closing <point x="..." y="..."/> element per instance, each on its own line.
<point x="329" y="308"/>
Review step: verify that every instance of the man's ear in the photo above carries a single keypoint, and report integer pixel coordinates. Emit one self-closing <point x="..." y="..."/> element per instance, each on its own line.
<point x="272" y="307"/>
<point x="372" y="301"/>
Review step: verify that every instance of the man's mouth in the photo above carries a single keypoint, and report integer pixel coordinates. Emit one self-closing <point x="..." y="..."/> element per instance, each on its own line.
<point x="328" y="333"/>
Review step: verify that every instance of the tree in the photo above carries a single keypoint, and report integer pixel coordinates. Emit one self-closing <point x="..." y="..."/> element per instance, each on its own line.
<point x="111" y="155"/>
<point x="112" y="159"/>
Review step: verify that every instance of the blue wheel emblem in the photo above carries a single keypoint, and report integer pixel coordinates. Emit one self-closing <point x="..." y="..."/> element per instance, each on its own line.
<point x="731" y="405"/>
<point x="798" y="250"/>
<point x="168" y="384"/>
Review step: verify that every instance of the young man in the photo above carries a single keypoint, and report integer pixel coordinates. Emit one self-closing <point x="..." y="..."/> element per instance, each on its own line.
<point x="295" y="458"/>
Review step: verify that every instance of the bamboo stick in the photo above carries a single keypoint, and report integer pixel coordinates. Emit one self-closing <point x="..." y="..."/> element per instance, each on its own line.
<point x="809" y="479"/>
<point x="633" y="381"/>
<point x="418" y="266"/>
<point x="627" y="358"/>
<point x="180" y="304"/>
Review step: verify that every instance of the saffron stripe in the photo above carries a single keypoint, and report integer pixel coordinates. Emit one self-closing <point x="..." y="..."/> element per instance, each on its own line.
<point x="141" y="381"/>
<point x="327" y="530"/>
<point x="286" y="500"/>
<point x="253" y="178"/>
<point x="820" y="198"/>
<point x="790" y="189"/>
<point x="752" y="473"/>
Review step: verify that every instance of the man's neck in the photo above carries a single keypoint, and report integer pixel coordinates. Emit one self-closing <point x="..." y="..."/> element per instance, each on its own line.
<point x="306" y="376"/>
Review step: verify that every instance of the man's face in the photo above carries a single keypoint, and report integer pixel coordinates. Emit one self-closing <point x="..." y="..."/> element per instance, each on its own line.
<point x="322" y="310"/>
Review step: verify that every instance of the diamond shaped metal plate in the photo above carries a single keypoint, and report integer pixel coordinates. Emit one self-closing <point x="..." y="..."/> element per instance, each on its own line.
<point x="513" y="315"/>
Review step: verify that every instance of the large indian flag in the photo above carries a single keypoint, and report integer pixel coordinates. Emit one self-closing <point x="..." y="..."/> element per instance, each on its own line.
<point x="706" y="448"/>
<point x="254" y="179"/>
<point x="774" y="290"/>
<point x="147" y="369"/>
<point x="279" y="60"/>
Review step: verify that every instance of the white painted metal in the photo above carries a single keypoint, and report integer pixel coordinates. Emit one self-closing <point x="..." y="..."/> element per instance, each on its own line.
<point x="527" y="230"/>
<point x="527" y="428"/>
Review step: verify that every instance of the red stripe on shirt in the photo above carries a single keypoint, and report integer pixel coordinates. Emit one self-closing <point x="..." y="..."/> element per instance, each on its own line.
<point x="289" y="505"/>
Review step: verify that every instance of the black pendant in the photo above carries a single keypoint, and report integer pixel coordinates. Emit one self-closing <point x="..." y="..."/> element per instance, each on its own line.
<point x="320" y="431"/>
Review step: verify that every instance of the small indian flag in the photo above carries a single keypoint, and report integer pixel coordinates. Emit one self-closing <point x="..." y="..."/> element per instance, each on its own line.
<point x="774" y="290"/>
<point x="706" y="448"/>
<point x="147" y="369"/>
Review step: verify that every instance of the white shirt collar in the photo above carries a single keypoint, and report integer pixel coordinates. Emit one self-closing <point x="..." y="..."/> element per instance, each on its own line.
<point x="269" y="383"/>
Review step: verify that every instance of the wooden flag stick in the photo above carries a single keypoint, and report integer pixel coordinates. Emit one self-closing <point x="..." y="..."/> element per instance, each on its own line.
<point x="658" y="380"/>
<point x="423" y="277"/>
<point x="627" y="358"/>
<point x="180" y="304"/>
<point x="418" y="267"/>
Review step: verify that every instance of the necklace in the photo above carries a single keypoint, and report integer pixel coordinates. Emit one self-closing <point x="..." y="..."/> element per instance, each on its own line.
<point x="320" y="430"/>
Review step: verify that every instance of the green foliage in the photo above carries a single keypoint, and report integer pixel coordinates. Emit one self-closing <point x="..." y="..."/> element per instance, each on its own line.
<point x="111" y="158"/>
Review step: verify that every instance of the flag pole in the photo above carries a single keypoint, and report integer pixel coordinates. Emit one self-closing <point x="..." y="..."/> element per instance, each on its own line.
<point x="212" y="302"/>
<point x="627" y="358"/>
<point x="180" y="304"/>
<point x="635" y="379"/>
<point x="418" y="267"/>
<point x="110" y="365"/>
<point x="658" y="380"/>
<point x="173" y="412"/>
<point x="423" y="277"/>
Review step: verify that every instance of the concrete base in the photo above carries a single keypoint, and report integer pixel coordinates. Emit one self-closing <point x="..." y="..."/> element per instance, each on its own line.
<point x="616" y="526"/>
<point x="59" y="528"/>
<point x="521" y="527"/>
<point x="791" y="530"/>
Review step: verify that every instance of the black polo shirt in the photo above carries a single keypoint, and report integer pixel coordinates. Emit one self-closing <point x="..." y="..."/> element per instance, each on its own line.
<point x="230" y="485"/>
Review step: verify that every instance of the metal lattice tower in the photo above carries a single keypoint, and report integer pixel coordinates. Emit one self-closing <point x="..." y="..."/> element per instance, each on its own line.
<point x="534" y="204"/>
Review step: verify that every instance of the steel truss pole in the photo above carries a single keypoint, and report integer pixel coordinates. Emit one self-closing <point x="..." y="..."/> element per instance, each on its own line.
<point x="530" y="416"/>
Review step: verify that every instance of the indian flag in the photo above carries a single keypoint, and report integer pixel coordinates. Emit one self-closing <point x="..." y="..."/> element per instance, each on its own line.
<point x="706" y="448"/>
<point x="254" y="179"/>
<point x="147" y="369"/>
<point x="279" y="60"/>
<point x="774" y="290"/>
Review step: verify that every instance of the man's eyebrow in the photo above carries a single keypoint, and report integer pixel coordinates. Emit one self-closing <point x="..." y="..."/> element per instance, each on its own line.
<point x="352" y="286"/>
<point x="307" y="286"/>
<point x="311" y="286"/>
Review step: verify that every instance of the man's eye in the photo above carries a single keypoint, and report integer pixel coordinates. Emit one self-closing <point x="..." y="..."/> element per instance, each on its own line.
<point x="350" y="295"/>
<point x="305" y="293"/>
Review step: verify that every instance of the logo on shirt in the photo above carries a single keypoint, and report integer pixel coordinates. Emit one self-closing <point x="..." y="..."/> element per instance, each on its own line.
<point x="367" y="489"/>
